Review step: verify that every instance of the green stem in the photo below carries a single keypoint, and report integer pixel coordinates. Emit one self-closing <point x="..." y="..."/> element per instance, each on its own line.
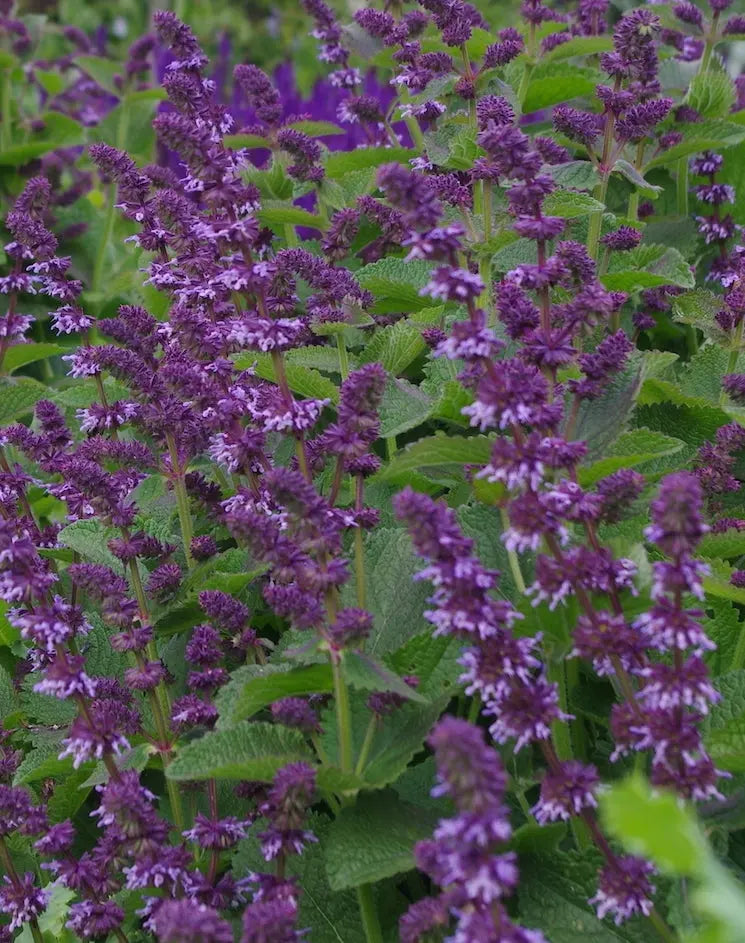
<point x="390" y="447"/>
<point x="734" y="353"/>
<point x="512" y="557"/>
<point x="5" y="110"/>
<point x="596" y="220"/>
<point x="369" y="914"/>
<point x="182" y="499"/>
<point x="343" y="715"/>
<point x="663" y="931"/>
<point x="366" y="745"/>
<point x="290" y="235"/>
<point x="343" y="356"/>
<point x="359" y="568"/>
<point x="103" y="245"/>
<point x="576" y="726"/>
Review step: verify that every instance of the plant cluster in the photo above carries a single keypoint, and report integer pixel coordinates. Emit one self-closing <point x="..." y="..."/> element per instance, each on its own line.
<point x="372" y="537"/>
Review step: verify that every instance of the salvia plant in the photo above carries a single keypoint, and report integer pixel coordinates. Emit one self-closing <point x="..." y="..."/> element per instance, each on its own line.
<point x="372" y="437"/>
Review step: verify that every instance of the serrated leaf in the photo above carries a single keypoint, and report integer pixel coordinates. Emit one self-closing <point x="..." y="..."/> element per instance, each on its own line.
<point x="252" y="750"/>
<point x="702" y="136"/>
<point x="283" y="215"/>
<point x="554" y="893"/>
<point x="699" y="308"/>
<point x="18" y="396"/>
<point x="433" y="661"/>
<point x="397" y="281"/>
<point x="726" y="544"/>
<point x="630" y="449"/>
<point x="436" y="453"/>
<point x="42" y="761"/>
<point x="647" y="266"/>
<point x="23" y="354"/>
<point x="90" y="538"/>
<point x="365" y="674"/>
<point x="394" y="598"/>
<point x="339" y="163"/>
<point x="374" y="839"/>
<point x="237" y="141"/>
<point x="627" y="170"/>
<point x="654" y="824"/>
<point x="711" y="93"/>
<point x="570" y="204"/>
<point x="302" y="380"/>
<point x="519" y="252"/>
<point x="403" y="407"/>
<point x="600" y="421"/>
<point x="394" y="346"/>
<point x="579" y="46"/>
<point x="575" y="174"/>
<point x="724" y="728"/>
<point x="400" y="739"/>
<point x="253" y="687"/>
<point x="331" y="916"/>
<point x="68" y="795"/>
<point x="325" y="359"/>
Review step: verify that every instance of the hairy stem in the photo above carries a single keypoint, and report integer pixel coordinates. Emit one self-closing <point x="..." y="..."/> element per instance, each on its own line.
<point x="369" y="914"/>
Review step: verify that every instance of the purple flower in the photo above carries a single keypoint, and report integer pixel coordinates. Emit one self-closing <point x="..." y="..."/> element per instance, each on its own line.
<point x="624" y="889"/>
<point x="22" y="900"/>
<point x="93" y="920"/>
<point x="216" y="834"/>
<point x="625" y="237"/>
<point x="188" y="921"/>
<point x="566" y="791"/>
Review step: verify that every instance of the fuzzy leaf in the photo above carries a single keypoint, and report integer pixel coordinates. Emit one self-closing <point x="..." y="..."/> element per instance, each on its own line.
<point x="364" y="673"/>
<point x="253" y="687"/>
<point x="702" y="136"/>
<point x="554" y="893"/>
<point x="647" y="266"/>
<point x="339" y="163"/>
<point x="570" y="204"/>
<point x="630" y="449"/>
<point x="303" y="380"/>
<point x="711" y="93"/>
<point x="577" y="174"/>
<point x="552" y="84"/>
<point x="724" y="728"/>
<point x="403" y="407"/>
<point x="630" y="172"/>
<point x="90" y="539"/>
<point x="23" y="354"/>
<point x="395" y="346"/>
<point x="282" y="215"/>
<point x="18" y="397"/>
<point x="254" y="750"/>
<point x="655" y="825"/>
<point x="437" y="453"/>
<point x="374" y="839"/>
<point x="579" y="46"/>
<point x="396" y="280"/>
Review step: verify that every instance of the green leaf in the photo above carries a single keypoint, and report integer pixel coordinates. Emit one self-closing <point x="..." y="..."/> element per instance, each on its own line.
<point x="18" y="396"/>
<point x="57" y="130"/>
<point x="42" y="761"/>
<point x="90" y="539"/>
<point x="403" y="407"/>
<point x="630" y="449"/>
<point x="325" y="359"/>
<point x="399" y="740"/>
<point x="23" y="354"/>
<point x="553" y="896"/>
<point x="630" y="172"/>
<point x="575" y="174"/>
<point x="302" y="380"/>
<point x="136" y="758"/>
<point x="397" y="282"/>
<point x="339" y="163"/>
<point x="702" y="136"/>
<point x="283" y="215"/>
<point x="395" y="346"/>
<point x="374" y="839"/>
<point x="102" y="71"/>
<point x="724" y="729"/>
<point x="451" y="143"/>
<point x="364" y="673"/>
<point x="711" y="93"/>
<point x="238" y="141"/>
<point x="579" y="46"/>
<point x="654" y="824"/>
<point x="52" y="921"/>
<point x="570" y="204"/>
<point x="317" y="129"/>
<point x="434" y="661"/>
<point x="557" y="83"/>
<point x="435" y="454"/>
<point x="699" y="308"/>
<point x="647" y="266"/>
<point x="729" y="543"/>
<point x="600" y="421"/>
<point x="253" y="687"/>
<point x="254" y="750"/>
<point x="331" y="916"/>
<point x="68" y="795"/>
<point x="394" y="599"/>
